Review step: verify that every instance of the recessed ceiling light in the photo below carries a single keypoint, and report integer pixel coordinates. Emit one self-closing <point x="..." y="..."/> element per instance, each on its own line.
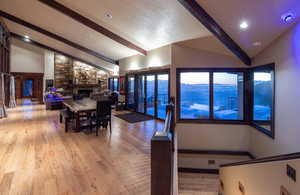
<point x="244" y="25"/>
<point x="288" y="17"/>
<point x="27" y="37"/>
<point x="108" y="15"/>
<point x="257" y="43"/>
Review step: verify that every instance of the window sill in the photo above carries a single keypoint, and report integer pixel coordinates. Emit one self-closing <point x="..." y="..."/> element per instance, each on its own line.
<point x="196" y="121"/>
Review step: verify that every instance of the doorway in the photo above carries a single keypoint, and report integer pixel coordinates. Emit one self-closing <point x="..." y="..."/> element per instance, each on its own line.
<point x="28" y="88"/>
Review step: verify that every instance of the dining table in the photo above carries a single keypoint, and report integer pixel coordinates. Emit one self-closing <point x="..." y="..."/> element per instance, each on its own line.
<point x="82" y="107"/>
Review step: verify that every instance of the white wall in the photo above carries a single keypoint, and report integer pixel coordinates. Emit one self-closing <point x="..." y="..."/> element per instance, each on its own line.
<point x="26" y="58"/>
<point x="155" y="58"/>
<point x="207" y="136"/>
<point x="260" y="179"/>
<point x="285" y="52"/>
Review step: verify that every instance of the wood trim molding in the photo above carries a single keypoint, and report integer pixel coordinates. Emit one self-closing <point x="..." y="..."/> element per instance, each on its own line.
<point x="35" y="43"/>
<point x="216" y="152"/>
<point x="91" y="24"/>
<point x="27" y="74"/>
<point x="202" y="171"/>
<point x="283" y="157"/>
<point x="56" y="37"/>
<point x="201" y="15"/>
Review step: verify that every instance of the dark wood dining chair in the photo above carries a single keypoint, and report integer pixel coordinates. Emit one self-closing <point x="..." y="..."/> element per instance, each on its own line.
<point x="67" y="116"/>
<point x="102" y="116"/>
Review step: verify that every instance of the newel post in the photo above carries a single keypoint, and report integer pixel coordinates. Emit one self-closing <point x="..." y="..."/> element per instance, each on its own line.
<point x="161" y="164"/>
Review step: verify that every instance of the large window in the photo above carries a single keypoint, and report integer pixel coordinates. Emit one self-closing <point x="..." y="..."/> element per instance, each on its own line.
<point x="263" y="99"/>
<point x="194" y="95"/>
<point x="228" y="95"/>
<point x="243" y="96"/>
<point x="211" y="95"/>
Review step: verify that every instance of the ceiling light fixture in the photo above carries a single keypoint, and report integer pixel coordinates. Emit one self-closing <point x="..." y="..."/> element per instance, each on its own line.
<point x="27" y="37"/>
<point x="108" y="15"/>
<point x="244" y="25"/>
<point x="288" y="17"/>
<point x="257" y="44"/>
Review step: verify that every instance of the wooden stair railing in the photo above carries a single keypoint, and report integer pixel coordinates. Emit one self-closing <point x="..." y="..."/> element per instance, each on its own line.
<point x="266" y="160"/>
<point x="163" y="157"/>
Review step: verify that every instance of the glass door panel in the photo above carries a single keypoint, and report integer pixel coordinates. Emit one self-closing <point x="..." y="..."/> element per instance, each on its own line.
<point x="141" y="94"/>
<point x="116" y="81"/>
<point x="130" y="100"/>
<point x="150" y="95"/>
<point x="27" y="88"/>
<point x="162" y="95"/>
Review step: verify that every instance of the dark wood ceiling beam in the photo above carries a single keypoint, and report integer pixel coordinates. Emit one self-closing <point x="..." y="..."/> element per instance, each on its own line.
<point x="201" y="15"/>
<point x="57" y="37"/>
<point x="37" y="44"/>
<point x="91" y="24"/>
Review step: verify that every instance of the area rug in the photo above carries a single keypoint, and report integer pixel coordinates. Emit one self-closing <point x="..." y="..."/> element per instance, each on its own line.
<point x="134" y="117"/>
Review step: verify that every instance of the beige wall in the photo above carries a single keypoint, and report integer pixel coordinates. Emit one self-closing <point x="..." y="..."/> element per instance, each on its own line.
<point x="155" y="58"/>
<point x="285" y="52"/>
<point x="26" y="58"/>
<point x="207" y="136"/>
<point x="260" y="179"/>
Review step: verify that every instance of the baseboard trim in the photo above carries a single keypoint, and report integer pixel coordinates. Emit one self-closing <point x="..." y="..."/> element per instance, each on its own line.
<point x="216" y="152"/>
<point x="203" y="171"/>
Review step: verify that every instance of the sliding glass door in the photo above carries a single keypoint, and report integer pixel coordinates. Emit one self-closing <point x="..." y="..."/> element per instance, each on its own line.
<point x="141" y="94"/>
<point x="130" y="93"/>
<point x="150" y="95"/>
<point x="162" y="95"/>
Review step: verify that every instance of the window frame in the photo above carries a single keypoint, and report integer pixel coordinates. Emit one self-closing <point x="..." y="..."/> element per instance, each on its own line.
<point x="271" y="132"/>
<point x="211" y="119"/>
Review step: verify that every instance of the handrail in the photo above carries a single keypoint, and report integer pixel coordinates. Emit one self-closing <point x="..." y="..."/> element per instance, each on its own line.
<point x="163" y="156"/>
<point x="168" y="127"/>
<point x="291" y="156"/>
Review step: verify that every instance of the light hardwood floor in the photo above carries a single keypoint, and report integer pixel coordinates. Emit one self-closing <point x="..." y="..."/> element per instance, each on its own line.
<point x="37" y="157"/>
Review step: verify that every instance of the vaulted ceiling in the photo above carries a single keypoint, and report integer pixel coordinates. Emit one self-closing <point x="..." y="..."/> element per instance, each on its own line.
<point x="150" y="24"/>
<point x="263" y="17"/>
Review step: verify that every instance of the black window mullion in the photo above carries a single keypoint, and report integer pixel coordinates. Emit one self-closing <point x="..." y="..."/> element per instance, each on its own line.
<point x="155" y="95"/>
<point x="145" y="94"/>
<point x="211" y="96"/>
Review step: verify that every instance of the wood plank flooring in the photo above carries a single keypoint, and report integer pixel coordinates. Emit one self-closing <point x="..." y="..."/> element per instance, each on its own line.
<point x="38" y="158"/>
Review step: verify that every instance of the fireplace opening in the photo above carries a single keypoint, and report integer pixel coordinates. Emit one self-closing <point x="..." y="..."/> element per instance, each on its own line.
<point x="85" y="92"/>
